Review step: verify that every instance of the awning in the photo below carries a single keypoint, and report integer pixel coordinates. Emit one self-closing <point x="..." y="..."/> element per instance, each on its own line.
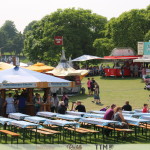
<point x="119" y="57"/>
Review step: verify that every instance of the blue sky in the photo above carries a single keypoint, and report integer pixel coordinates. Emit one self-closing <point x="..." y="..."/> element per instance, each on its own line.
<point x="23" y="12"/>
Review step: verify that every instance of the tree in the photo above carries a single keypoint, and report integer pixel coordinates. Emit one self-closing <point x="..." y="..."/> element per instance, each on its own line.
<point x="129" y="28"/>
<point x="79" y="29"/>
<point x="10" y="39"/>
<point x="103" y="46"/>
<point x="147" y="36"/>
<point x="29" y="27"/>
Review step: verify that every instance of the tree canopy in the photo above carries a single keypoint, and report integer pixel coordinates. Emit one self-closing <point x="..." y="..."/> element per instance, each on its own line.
<point x="79" y="29"/>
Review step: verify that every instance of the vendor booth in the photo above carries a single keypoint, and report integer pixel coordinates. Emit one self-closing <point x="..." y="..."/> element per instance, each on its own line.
<point x="21" y="78"/>
<point x="123" y="62"/>
<point x="65" y="71"/>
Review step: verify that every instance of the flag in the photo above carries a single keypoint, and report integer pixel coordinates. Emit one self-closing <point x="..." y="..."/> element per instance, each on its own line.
<point x="58" y="40"/>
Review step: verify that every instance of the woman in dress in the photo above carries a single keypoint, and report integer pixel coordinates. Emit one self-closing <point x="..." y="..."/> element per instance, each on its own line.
<point x="10" y="107"/>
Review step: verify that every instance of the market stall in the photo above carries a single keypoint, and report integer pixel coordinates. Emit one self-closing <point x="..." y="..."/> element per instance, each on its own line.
<point x="65" y="71"/>
<point x="20" y="78"/>
<point x="123" y="62"/>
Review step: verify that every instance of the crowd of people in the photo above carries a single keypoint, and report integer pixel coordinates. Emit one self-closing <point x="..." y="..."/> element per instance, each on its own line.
<point x="94" y="90"/>
<point x="18" y="103"/>
<point x="115" y="113"/>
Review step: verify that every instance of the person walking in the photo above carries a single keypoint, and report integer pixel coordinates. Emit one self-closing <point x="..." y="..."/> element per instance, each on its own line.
<point x="9" y="102"/>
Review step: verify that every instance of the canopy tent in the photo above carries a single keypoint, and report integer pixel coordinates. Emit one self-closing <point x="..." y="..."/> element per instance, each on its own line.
<point x="21" y="76"/>
<point x="145" y="58"/>
<point x="64" y="69"/>
<point x="40" y="67"/>
<point x="86" y="57"/>
<point x="4" y="66"/>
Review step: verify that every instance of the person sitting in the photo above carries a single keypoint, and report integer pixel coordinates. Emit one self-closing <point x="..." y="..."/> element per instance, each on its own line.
<point x="104" y="109"/>
<point x="62" y="108"/>
<point x="109" y="113"/>
<point x="119" y="117"/>
<point x="127" y="106"/>
<point x="145" y="108"/>
<point x="80" y="107"/>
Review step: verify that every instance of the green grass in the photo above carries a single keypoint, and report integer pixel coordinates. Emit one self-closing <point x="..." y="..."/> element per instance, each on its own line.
<point x="116" y="91"/>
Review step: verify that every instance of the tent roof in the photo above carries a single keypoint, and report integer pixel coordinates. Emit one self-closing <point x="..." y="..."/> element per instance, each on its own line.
<point x="64" y="69"/>
<point x="4" y="66"/>
<point x="22" y="75"/>
<point x="86" y="57"/>
<point x="40" y="67"/>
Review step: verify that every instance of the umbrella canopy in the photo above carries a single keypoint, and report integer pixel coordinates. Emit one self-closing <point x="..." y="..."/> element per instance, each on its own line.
<point x="119" y="57"/>
<point x="86" y="57"/>
<point x="40" y="67"/>
<point x="22" y="75"/>
<point x="4" y="66"/>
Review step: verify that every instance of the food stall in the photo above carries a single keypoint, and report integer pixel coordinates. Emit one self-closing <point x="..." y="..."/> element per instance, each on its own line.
<point x="21" y="78"/>
<point x="123" y="59"/>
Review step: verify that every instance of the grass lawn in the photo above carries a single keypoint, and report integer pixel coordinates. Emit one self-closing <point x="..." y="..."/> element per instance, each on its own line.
<point x="117" y="91"/>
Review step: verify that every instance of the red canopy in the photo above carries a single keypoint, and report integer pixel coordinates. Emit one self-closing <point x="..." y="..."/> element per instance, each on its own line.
<point x="120" y="57"/>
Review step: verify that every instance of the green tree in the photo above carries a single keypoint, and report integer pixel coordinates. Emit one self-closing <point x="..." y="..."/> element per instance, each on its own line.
<point x="103" y="46"/>
<point x="79" y="29"/>
<point x="11" y="40"/>
<point x="129" y="28"/>
<point x="147" y="36"/>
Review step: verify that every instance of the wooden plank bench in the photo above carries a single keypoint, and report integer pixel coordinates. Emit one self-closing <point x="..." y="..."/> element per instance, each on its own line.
<point x="45" y="133"/>
<point x="12" y="134"/>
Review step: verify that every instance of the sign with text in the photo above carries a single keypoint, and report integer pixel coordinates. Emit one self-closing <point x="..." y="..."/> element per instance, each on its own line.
<point x="17" y="85"/>
<point x="140" y="48"/>
<point x="146" y="48"/>
<point x="58" y="40"/>
<point x="61" y="84"/>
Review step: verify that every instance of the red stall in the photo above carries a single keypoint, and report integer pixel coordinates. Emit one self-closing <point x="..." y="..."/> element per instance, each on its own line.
<point x="123" y="60"/>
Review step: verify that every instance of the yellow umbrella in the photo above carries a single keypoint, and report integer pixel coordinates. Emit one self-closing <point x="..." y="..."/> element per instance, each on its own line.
<point x="40" y="67"/>
<point x="4" y="66"/>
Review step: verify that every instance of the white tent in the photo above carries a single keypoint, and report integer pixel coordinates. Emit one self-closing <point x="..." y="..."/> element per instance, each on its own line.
<point x="18" y="75"/>
<point x="86" y="57"/>
<point x="145" y="58"/>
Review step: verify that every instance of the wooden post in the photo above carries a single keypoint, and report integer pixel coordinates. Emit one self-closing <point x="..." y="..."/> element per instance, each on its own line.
<point x="3" y="95"/>
<point x="30" y="105"/>
<point x="46" y="106"/>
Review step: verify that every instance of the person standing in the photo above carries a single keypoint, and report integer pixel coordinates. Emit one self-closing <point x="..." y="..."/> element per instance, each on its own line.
<point x="22" y="102"/>
<point x="92" y="85"/>
<point x="127" y="106"/>
<point x="54" y="103"/>
<point x="96" y="94"/>
<point x="10" y="108"/>
<point x="1" y="104"/>
<point x="38" y="101"/>
<point x="89" y="86"/>
<point x="16" y="99"/>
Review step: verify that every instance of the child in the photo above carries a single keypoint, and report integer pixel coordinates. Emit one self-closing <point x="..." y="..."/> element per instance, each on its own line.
<point x="145" y="108"/>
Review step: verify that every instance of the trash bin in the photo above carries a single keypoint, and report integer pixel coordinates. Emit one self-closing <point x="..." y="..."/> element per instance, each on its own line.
<point x="83" y="90"/>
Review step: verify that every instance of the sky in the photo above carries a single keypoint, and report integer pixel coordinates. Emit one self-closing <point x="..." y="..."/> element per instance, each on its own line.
<point x="22" y="12"/>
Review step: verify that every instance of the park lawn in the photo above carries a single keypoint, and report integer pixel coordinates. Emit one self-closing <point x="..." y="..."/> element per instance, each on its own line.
<point x="116" y="91"/>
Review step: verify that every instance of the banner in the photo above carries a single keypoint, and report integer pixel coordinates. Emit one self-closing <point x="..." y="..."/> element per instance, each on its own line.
<point x="140" y="48"/>
<point x="61" y="84"/>
<point x="58" y="40"/>
<point x="146" y="48"/>
<point x="17" y="85"/>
